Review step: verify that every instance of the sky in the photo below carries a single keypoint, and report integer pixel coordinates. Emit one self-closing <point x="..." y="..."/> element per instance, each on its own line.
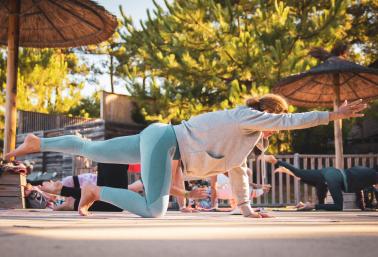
<point x="137" y="9"/>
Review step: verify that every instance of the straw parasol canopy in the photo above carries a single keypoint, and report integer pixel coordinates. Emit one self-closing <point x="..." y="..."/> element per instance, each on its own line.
<point x="46" y="23"/>
<point x="58" y="23"/>
<point x="326" y="85"/>
<point x="315" y="87"/>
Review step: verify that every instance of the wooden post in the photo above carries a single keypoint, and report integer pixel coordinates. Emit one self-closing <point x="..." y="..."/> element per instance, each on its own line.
<point x="12" y="185"/>
<point x="297" y="191"/>
<point x="12" y="68"/>
<point x="12" y="191"/>
<point x="288" y="199"/>
<point x="258" y="177"/>
<point x="338" y="125"/>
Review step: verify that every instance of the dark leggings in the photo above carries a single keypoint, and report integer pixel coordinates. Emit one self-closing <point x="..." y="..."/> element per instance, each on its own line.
<point x="111" y="175"/>
<point x="323" y="180"/>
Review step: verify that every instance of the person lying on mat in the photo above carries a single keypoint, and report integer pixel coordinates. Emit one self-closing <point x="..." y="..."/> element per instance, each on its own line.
<point x="70" y="187"/>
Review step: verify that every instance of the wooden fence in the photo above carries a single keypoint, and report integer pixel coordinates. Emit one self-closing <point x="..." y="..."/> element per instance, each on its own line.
<point x="35" y="121"/>
<point x="65" y="164"/>
<point x="287" y="190"/>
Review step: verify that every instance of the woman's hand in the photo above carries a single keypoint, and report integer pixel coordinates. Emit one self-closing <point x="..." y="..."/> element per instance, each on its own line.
<point x="283" y="170"/>
<point x="346" y="111"/>
<point x="266" y="188"/>
<point x="199" y="193"/>
<point x="299" y="205"/>
<point x="189" y="210"/>
<point x="270" y="158"/>
<point x="255" y="215"/>
<point x="265" y="215"/>
<point x="259" y="215"/>
<point x="307" y="207"/>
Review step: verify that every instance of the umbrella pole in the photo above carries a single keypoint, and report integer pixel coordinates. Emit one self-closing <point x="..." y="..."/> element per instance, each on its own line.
<point x="11" y="87"/>
<point x="339" y="164"/>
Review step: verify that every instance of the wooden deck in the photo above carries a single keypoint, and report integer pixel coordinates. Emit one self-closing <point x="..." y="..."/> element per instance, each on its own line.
<point x="46" y="233"/>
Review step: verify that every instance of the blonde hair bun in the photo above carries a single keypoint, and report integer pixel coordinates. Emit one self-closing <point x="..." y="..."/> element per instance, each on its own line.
<point x="271" y="103"/>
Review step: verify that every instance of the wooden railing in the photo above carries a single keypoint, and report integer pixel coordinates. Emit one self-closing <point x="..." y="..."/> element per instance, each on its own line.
<point x="287" y="190"/>
<point x="35" y="121"/>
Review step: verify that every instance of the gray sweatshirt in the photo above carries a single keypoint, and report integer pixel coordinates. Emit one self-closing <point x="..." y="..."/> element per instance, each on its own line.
<point x="216" y="142"/>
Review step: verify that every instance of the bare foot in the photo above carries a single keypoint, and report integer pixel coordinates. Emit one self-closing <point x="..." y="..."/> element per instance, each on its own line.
<point x="89" y="194"/>
<point x="31" y="145"/>
<point x="51" y="187"/>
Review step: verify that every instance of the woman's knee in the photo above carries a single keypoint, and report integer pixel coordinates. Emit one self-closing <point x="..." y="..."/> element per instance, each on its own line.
<point x="155" y="213"/>
<point x="158" y="208"/>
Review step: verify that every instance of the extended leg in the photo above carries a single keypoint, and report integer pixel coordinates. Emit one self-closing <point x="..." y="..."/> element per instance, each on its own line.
<point x="121" y="150"/>
<point x="311" y="177"/>
<point x="158" y="145"/>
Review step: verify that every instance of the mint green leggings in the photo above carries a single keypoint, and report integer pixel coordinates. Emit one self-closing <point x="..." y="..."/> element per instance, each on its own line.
<point x="154" y="148"/>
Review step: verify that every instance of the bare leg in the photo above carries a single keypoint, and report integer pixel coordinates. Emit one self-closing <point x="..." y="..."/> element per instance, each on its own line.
<point x="31" y="144"/>
<point x="89" y="194"/>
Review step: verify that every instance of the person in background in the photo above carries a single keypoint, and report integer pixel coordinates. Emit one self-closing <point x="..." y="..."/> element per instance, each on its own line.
<point x="337" y="181"/>
<point x="70" y="187"/>
<point x="221" y="189"/>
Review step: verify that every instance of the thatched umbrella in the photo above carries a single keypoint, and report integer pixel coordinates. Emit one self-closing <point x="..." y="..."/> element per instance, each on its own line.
<point x="46" y="23"/>
<point x="325" y="85"/>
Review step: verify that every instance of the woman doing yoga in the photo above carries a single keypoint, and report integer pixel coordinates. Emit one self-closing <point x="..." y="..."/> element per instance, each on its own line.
<point x="208" y="144"/>
<point x="335" y="180"/>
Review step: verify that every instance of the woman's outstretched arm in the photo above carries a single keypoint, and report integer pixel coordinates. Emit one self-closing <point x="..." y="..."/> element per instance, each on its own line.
<point x="250" y="119"/>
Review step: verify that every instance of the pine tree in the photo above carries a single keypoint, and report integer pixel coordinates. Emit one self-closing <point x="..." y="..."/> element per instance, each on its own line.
<point x="106" y="53"/>
<point x="204" y="55"/>
<point x="43" y="82"/>
<point x="47" y="81"/>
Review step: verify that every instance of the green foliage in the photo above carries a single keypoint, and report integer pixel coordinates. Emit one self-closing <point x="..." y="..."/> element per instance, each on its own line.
<point x="108" y="63"/>
<point x="363" y="31"/>
<point x="204" y="55"/>
<point x="195" y="56"/>
<point x="88" y="107"/>
<point x="43" y="82"/>
<point x="46" y="81"/>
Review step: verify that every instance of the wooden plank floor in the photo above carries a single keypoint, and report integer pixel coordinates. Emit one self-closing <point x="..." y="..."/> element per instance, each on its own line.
<point x="46" y="233"/>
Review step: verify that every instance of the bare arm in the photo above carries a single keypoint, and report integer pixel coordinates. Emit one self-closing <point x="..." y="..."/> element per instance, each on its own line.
<point x="178" y="187"/>
<point x="263" y="121"/>
<point x="240" y="189"/>
<point x="346" y="111"/>
<point x="214" y="197"/>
